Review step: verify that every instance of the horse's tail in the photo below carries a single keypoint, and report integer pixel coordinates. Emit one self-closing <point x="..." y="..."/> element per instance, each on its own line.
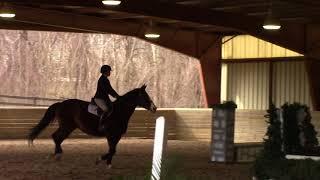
<point x="44" y="122"/>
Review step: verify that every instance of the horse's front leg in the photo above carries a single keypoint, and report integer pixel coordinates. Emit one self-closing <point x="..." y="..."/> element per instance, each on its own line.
<point x="112" y="142"/>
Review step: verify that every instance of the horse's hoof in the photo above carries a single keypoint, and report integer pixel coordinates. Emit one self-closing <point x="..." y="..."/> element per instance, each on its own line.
<point x="109" y="166"/>
<point x="30" y="144"/>
<point x="57" y="157"/>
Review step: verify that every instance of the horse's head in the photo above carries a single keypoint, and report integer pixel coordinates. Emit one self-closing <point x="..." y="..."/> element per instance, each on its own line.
<point x="143" y="100"/>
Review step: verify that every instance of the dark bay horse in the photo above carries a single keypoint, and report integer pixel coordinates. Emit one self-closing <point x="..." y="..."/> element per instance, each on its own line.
<point x="73" y="113"/>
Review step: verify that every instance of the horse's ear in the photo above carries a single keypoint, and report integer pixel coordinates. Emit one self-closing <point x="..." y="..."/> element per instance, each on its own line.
<point x="143" y="87"/>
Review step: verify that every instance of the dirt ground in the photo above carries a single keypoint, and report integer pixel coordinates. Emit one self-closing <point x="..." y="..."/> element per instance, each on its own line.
<point x="188" y="159"/>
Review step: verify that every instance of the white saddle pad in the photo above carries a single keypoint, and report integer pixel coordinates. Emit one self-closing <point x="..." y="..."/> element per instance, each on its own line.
<point x="93" y="109"/>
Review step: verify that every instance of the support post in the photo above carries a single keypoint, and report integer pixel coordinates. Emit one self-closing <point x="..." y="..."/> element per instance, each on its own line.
<point x="211" y="72"/>
<point x="222" y="137"/>
<point x="159" y="147"/>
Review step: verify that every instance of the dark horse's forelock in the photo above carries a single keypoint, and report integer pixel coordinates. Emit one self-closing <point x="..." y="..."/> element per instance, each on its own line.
<point x="72" y="114"/>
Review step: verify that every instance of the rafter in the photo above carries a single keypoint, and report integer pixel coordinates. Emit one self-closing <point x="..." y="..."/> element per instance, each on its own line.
<point x="309" y="3"/>
<point x="72" y="21"/>
<point x="244" y="24"/>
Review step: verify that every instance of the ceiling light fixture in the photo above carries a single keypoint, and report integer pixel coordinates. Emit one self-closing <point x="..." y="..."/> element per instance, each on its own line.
<point x="6" y="12"/>
<point x="151" y="32"/>
<point x="111" y="2"/>
<point x="271" y="23"/>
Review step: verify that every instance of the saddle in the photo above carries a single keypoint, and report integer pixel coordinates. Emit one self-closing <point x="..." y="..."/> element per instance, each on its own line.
<point x="94" y="109"/>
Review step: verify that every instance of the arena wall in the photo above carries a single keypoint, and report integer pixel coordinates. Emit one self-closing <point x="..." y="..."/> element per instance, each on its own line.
<point x="183" y="124"/>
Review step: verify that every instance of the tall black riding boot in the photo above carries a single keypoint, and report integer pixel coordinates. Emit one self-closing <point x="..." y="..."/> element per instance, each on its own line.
<point x="103" y="122"/>
<point x="101" y="127"/>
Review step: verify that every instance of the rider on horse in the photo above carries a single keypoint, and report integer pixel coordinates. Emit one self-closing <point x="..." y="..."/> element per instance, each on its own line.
<point x="101" y="98"/>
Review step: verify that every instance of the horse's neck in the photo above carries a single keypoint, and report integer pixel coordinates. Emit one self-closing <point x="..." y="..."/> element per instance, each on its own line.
<point x="126" y="113"/>
<point x="127" y="108"/>
<point x="128" y="99"/>
<point x="127" y="104"/>
<point x="131" y="110"/>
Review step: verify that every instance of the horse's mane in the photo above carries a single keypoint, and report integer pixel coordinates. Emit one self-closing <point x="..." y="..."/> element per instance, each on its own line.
<point x="127" y="96"/>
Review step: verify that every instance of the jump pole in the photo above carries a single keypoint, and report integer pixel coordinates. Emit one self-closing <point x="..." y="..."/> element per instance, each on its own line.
<point x="159" y="147"/>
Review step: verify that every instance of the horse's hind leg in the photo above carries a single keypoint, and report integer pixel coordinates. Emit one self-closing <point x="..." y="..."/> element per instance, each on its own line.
<point x="112" y="141"/>
<point x="58" y="137"/>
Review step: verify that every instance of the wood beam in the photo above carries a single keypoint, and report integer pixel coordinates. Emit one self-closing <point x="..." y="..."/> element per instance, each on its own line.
<point x="260" y="60"/>
<point x="31" y="19"/>
<point x="234" y="6"/>
<point x="313" y="41"/>
<point x="309" y="3"/>
<point x="313" y="64"/>
<point x="198" y="3"/>
<point x="183" y="41"/>
<point x="205" y="47"/>
<point x="211" y="72"/>
<point x="13" y="25"/>
<point x="56" y="19"/>
<point x="70" y="3"/>
<point x="289" y="36"/>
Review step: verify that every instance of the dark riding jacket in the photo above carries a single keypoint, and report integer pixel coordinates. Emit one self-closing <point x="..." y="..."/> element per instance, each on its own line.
<point x="104" y="88"/>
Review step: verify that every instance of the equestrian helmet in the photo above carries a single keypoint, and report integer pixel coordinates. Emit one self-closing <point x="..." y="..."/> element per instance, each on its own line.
<point x="105" y="68"/>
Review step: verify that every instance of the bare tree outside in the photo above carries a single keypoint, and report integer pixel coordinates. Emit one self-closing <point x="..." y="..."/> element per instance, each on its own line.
<point x="66" y="65"/>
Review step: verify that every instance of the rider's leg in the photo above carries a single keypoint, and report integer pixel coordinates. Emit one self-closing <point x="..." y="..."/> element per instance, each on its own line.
<point x="102" y="104"/>
<point x="105" y="116"/>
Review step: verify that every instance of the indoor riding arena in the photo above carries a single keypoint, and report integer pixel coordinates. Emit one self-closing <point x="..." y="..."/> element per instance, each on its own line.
<point x="188" y="149"/>
<point x="213" y="71"/>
